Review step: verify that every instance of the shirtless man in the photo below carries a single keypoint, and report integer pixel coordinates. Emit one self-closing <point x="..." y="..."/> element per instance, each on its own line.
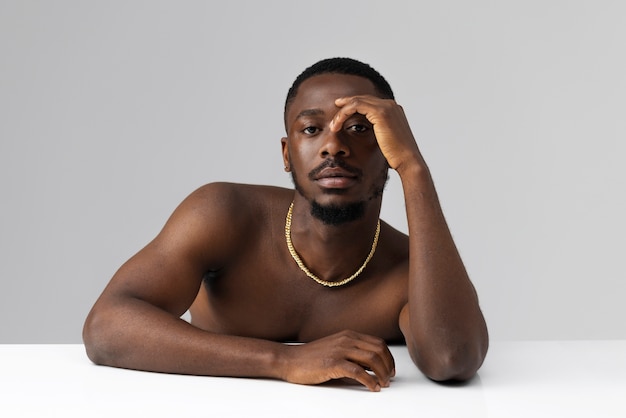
<point x="258" y="266"/>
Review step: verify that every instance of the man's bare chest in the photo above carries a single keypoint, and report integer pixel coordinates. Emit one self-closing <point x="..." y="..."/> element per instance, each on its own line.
<point x="284" y="305"/>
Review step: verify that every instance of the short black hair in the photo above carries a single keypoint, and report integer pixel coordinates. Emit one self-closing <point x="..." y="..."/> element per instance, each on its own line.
<point x="346" y="66"/>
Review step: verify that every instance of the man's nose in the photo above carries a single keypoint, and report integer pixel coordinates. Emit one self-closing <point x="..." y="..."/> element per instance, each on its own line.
<point x="334" y="144"/>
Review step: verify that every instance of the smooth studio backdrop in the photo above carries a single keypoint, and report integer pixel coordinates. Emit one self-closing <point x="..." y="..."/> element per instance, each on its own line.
<point x="111" y="112"/>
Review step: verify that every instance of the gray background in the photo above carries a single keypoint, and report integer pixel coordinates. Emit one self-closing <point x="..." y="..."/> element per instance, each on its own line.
<point x="112" y="112"/>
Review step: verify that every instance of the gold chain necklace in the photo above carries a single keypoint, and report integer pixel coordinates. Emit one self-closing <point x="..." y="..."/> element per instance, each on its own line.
<point x="308" y="272"/>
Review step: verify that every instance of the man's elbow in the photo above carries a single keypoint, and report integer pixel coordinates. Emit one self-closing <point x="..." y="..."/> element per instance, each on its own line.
<point x="97" y="338"/>
<point x="456" y="364"/>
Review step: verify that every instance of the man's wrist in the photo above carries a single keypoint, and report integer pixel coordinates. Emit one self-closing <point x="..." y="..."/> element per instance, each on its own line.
<point x="279" y="364"/>
<point x="415" y="171"/>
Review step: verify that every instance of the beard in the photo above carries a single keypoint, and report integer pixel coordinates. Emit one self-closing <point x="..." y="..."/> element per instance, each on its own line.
<point x="338" y="214"/>
<point x="335" y="214"/>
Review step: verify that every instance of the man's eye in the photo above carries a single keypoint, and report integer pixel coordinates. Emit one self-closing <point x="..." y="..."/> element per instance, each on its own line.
<point x="310" y="130"/>
<point x="358" y="128"/>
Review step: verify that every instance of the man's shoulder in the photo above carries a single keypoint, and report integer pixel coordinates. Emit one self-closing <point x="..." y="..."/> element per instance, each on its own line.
<point x="242" y="194"/>
<point x="231" y="211"/>
<point x="228" y="187"/>
<point x="236" y="201"/>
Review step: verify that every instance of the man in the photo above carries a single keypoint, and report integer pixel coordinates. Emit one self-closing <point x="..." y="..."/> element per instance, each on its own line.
<point x="258" y="266"/>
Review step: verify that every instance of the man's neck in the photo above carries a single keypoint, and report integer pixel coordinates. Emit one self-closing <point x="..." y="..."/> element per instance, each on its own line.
<point x="332" y="252"/>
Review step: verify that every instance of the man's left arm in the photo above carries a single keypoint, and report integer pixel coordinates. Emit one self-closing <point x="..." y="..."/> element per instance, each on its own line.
<point x="442" y="322"/>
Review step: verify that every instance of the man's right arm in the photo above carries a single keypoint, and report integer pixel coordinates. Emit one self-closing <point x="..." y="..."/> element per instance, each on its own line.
<point x="136" y="323"/>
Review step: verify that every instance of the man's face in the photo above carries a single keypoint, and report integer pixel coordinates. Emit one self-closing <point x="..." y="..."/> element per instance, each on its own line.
<point x="338" y="171"/>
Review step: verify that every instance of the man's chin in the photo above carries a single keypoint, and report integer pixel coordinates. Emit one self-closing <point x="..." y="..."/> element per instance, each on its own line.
<point x="335" y="191"/>
<point x="336" y="213"/>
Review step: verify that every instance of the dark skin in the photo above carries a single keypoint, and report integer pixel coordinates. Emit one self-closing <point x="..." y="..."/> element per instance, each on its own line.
<point x="223" y="256"/>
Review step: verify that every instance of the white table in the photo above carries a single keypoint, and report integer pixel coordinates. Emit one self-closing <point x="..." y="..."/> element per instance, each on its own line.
<point x="518" y="379"/>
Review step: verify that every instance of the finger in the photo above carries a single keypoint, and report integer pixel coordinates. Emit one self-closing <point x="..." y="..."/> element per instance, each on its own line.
<point x="370" y="352"/>
<point x="348" y="107"/>
<point x="378" y="345"/>
<point x="342" y="101"/>
<point x="373" y="360"/>
<point x="356" y="372"/>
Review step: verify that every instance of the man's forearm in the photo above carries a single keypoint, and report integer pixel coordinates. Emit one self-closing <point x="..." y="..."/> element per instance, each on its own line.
<point x="446" y="324"/>
<point x="137" y="335"/>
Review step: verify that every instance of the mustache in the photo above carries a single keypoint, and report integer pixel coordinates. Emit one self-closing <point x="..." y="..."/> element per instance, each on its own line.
<point x="333" y="163"/>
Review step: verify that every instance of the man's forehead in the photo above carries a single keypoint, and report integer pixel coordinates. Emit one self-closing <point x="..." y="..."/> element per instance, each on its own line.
<point x="335" y="84"/>
<point x="320" y="91"/>
<point x="310" y="112"/>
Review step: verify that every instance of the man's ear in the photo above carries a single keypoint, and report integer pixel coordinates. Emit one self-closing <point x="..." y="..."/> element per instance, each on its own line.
<point x="285" y="147"/>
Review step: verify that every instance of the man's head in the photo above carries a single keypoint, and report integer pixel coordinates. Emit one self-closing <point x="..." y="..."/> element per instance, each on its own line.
<point x="346" y="66"/>
<point x="338" y="172"/>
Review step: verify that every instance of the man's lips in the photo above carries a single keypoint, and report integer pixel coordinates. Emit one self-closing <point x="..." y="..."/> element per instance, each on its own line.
<point x="335" y="178"/>
<point x="336" y="182"/>
<point x="335" y="174"/>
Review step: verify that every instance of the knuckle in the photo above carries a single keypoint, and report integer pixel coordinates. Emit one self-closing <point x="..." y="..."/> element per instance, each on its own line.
<point x="354" y="369"/>
<point x="371" y="357"/>
<point x="385" y="111"/>
<point x="346" y="335"/>
<point x="382" y="343"/>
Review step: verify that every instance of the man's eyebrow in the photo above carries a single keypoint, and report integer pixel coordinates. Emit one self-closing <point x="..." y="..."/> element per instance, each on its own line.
<point x="310" y="112"/>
